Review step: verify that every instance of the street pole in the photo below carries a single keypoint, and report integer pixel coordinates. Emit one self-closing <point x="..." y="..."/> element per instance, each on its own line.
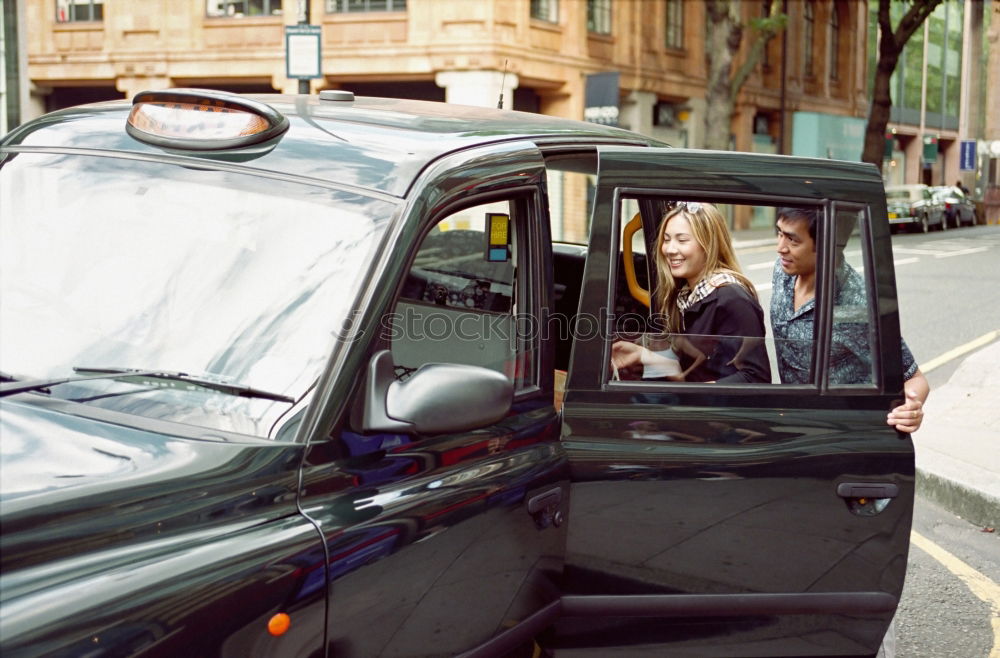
<point x="923" y="99"/>
<point x="782" y="103"/>
<point x="963" y="108"/>
<point x="303" y="20"/>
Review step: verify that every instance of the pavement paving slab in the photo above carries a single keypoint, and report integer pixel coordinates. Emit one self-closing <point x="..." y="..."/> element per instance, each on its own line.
<point x="958" y="445"/>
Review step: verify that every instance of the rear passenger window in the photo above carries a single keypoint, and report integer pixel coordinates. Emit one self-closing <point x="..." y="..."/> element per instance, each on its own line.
<point x="665" y="330"/>
<point x="851" y="362"/>
<point x="769" y="333"/>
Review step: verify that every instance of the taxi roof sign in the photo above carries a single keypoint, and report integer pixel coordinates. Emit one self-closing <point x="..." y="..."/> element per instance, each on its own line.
<point x="202" y="119"/>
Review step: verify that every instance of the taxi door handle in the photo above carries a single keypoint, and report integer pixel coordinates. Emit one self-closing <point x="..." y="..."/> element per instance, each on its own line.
<point x="867" y="490"/>
<point x="544" y="508"/>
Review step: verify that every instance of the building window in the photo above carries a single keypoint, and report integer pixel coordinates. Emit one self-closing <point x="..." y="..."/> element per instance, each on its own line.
<point x="242" y="8"/>
<point x="72" y="11"/>
<point x="834" y="58"/>
<point x="807" y="40"/>
<point x="345" y="6"/>
<point x="599" y="16"/>
<point x="675" y="24"/>
<point x="952" y="63"/>
<point x="545" y="10"/>
<point x="765" y="59"/>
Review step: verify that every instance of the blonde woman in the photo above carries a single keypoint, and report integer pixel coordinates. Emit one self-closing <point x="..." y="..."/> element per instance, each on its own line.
<point x="710" y="309"/>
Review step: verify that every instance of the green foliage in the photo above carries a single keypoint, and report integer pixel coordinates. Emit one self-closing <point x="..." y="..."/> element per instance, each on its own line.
<point x="943" y="62"/>
<point x="771" y="25"/>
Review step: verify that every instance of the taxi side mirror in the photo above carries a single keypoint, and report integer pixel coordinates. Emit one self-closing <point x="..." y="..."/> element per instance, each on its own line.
<point x="437" y="398"/>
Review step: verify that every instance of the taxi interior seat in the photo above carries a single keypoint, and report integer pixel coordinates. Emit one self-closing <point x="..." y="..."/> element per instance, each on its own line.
<point x="568" y="261"/>
<point x="568" y="264"/>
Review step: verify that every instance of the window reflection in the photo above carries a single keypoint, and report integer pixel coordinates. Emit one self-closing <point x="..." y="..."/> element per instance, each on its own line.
<point x="111" y="263"/>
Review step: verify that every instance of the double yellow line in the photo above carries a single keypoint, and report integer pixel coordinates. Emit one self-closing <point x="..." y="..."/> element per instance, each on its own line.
<point x="978" y="584"/>
<point x="961" y="350"/>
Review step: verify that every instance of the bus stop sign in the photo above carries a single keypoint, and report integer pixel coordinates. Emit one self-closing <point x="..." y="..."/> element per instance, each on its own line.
<point x="302" y="52"/>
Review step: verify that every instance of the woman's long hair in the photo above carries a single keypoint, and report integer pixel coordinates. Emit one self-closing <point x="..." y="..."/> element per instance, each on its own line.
<point x="711" y="233"/>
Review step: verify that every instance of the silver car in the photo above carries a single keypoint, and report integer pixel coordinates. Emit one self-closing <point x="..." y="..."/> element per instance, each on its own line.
<point x="959" y="210"/>
<point x="914" y="206"/>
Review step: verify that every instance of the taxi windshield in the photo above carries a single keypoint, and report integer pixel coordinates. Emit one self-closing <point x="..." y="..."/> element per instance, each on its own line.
<point x="225" y="277"/>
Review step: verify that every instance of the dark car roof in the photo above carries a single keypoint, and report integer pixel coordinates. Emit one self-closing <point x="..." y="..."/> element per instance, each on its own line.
<point x="372" y="143"/>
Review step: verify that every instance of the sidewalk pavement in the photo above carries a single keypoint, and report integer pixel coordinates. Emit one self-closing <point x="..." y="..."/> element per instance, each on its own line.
<point x="755" y="237"/>
<point x="958" y="444"/>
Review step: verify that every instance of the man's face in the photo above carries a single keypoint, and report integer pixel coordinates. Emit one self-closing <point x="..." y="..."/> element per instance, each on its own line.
<point x="795" y="248"/>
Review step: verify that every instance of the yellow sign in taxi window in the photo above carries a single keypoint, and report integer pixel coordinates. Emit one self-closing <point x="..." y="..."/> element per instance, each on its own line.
<point x="498" y="237"/>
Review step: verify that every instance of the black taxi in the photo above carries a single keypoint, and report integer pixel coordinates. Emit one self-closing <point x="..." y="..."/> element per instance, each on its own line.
<point x="330" y="376"/>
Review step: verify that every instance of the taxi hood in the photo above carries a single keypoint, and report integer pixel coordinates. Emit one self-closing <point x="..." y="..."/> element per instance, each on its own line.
<point x="69" y="484"/>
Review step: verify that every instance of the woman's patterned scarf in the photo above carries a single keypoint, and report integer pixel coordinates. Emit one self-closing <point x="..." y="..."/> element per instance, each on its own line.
<point x="687" y="298"/>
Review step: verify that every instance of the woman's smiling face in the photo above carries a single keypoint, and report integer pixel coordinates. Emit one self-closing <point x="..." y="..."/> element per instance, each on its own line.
<point x="684" y="256"/>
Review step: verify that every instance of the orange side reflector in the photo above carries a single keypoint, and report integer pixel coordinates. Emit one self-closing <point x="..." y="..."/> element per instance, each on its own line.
<point x="279" y="624"/>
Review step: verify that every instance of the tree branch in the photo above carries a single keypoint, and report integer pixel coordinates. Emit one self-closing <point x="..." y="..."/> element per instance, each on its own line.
<point x="765" y="29"/>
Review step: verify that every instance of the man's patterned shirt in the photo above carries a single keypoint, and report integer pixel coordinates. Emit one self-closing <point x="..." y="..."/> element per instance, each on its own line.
<point x="850" y="353"/>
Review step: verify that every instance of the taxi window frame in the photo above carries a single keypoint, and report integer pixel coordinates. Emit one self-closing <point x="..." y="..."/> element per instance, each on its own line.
<point x="824" y="303"/>
<point x="871" y="290"/>
<point x="524" y="203"/>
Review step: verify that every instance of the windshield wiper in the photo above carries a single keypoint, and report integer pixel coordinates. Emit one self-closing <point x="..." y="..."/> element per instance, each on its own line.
<point x="133" y="373"/>
<point x="203" y="382"/>
<point x="12" y="385"/>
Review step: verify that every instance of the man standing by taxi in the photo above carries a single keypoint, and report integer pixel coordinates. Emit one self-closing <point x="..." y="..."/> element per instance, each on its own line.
<point x="793" y="315"/>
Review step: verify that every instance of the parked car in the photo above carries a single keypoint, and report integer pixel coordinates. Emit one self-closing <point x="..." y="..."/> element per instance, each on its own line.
<point x="915" y="207"/>
<point x="959" y="209"/>
<point x="278" y="381"/>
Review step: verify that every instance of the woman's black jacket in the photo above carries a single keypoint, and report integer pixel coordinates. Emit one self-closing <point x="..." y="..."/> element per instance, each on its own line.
<point x="727" y="326"/>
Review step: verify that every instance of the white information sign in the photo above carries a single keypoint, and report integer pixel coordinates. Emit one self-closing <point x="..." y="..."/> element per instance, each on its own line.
<point x="302" y="52"/>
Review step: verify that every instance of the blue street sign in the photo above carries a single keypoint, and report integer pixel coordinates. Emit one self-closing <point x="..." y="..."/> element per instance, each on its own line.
<point x="967" y="155"/>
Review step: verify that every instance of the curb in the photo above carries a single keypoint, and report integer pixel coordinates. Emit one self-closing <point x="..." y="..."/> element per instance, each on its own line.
<point x="969" y="503"/>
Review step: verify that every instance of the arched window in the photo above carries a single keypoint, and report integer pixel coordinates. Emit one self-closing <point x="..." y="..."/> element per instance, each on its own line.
<point x="599" y="16"/>
<point x="833" y="59"/>
<point x="545" y="10"/>
<point x="675" y="24"/>
<point x="765" y="13"/>
<point x="807" y="39"/>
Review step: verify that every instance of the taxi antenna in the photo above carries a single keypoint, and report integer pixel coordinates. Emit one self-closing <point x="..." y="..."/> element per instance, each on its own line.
<point x="503" y="79"/>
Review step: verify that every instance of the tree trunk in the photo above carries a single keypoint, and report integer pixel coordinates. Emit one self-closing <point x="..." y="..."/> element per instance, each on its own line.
<point x="878" y="114"/>
<point x="722" y="41"/>
<point x="891" y="44"/>
<point x="723" y="36"/>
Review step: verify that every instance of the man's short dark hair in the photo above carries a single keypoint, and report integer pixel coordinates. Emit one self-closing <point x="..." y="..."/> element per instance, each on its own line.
<point x="797" y="214"/>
